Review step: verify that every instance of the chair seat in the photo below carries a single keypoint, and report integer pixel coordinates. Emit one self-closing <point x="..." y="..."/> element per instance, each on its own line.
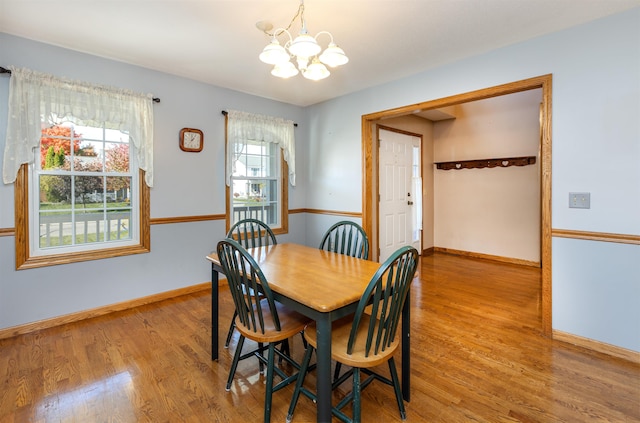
<point x="291" y="323"/>
<point x="340" y="331"/>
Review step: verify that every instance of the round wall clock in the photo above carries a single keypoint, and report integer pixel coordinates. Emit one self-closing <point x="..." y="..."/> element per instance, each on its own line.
<point x="191" y="140"/>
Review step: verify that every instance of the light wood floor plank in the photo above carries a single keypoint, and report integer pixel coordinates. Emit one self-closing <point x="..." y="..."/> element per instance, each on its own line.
<point x="477" y="355"/>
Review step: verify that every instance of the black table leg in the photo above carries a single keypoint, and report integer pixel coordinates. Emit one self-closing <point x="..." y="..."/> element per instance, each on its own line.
<point x="323" y="386"/>
<point x="214" y="314"/>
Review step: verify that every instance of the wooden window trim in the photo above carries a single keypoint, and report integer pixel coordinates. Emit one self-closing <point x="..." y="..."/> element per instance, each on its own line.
<point x="22" y="228"/>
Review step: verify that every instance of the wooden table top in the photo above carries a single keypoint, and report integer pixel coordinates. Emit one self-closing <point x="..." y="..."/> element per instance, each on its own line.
<point x="319" y="279"/>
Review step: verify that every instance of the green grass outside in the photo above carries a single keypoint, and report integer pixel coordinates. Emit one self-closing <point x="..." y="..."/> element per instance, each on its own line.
<point x="79" y="207"/>
<point x="91" y="238"/>
<point x="248" y="201"/>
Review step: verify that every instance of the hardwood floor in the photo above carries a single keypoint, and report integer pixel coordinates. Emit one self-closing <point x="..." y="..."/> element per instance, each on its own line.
<point x="477" y="355"/>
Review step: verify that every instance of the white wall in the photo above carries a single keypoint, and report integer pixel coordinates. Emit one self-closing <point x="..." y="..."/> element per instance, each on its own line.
<point x="596" y="148"/>
<point x="494" y="211"/>
<point x="186" y="184"/>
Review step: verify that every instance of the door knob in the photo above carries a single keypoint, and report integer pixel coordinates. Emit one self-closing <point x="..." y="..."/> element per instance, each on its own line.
<point x="410" y="203"/>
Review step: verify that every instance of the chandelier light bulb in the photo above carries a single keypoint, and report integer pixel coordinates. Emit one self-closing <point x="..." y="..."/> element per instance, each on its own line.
<point x="316" y="71"/>
<point x="305" y="46"/>
<point x="274" y="53"/>
<point x="333" y="56"/>
<point x="284" y="70"/>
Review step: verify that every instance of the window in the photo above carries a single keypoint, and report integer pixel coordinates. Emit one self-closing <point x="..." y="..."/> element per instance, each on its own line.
<point x="260" y="153"/>
<point x="84" y="191"/>
<point x="82" y="188"/>
<point x="256" y="189"/>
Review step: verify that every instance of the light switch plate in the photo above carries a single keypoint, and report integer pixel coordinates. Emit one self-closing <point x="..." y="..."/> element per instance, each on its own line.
<point x="579" y="200"/>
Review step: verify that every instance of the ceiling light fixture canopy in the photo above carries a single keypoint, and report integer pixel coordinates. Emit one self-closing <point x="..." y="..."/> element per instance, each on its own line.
<point x="304" y="49"/>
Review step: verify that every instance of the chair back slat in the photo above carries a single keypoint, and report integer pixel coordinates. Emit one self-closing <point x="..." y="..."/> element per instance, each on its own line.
<point x="252" y="233"/>
<point x="384" y="296"/>
<point x="248" y="285"/>
<point x="347" y="238"/>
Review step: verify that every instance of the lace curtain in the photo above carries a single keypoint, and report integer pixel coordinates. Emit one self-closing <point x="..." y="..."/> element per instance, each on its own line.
<point x="36" y="97"/>
<point x="243" y="126"/>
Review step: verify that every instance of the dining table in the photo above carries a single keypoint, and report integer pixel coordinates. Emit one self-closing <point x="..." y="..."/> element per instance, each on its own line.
<point x="321" y="285"/>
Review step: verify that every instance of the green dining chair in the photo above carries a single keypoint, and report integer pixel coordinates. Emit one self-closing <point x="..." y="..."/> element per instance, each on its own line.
<point x="250" y="233"/>
<point x="367" y="338"/>
<point x="259" y="317"/>
<point x="347" y="238"/>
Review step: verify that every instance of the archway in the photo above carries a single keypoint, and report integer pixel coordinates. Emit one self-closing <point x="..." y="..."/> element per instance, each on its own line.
<point x="543" y="82"/>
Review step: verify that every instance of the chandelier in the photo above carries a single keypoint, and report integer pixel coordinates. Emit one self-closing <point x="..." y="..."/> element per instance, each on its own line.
<point x="304" y="49"/>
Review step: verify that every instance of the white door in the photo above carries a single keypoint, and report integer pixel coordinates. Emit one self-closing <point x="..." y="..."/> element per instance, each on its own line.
<point x="400" y="184"/>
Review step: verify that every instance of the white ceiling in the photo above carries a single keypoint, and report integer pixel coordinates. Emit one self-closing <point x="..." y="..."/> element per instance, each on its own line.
<point x="216" y="41"/>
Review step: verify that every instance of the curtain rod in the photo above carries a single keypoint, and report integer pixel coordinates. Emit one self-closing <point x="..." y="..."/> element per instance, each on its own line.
<point x="224" y="112"/>
<point x="8" y="71"/>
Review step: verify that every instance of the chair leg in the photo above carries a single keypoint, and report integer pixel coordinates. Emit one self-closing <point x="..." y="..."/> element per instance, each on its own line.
<point x="260" y="364"/>
<point x="336" y="372"/>
<point x="284" y="349"/>
<point x="301" y="375"/>
<point x="356" y="395"/>
<point x="232" y="327"/>
<point x="396" y="388"/>
<point x="234" y="363"/>
<point x="269" y="388"/>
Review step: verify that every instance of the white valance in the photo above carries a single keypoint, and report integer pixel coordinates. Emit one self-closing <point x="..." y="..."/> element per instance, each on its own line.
<point x="243" y="127"/>
<point x="34" y="97"/>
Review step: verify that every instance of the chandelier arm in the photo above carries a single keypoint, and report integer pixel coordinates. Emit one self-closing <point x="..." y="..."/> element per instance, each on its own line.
<point x="279" y="31"/>
<point x="324" y="32"/>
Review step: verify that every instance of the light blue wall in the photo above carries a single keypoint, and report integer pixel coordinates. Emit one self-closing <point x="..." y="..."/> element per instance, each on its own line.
<point x="596" y="148"/>
<point x="597" y="290"/>
<point x="186" y="184"/>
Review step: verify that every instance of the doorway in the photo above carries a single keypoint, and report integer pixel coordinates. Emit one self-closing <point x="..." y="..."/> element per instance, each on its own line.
<point x="542" y="82"/>
<point x="400" y="187"/>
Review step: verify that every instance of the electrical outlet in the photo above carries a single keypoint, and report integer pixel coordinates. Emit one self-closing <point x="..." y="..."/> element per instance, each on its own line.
<point x="579" y="200"/>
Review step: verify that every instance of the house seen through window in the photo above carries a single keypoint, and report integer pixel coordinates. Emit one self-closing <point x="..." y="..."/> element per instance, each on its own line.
<point x="257" y="186"/>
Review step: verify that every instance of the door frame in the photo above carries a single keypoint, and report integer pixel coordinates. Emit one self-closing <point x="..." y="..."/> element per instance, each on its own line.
<point x="543" y="82"/>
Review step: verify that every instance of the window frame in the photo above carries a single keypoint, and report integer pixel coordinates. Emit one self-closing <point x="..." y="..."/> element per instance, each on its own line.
<point x="23" y="227"/>
<point x="284" y="202"/>
<point x="99" y="138"/>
